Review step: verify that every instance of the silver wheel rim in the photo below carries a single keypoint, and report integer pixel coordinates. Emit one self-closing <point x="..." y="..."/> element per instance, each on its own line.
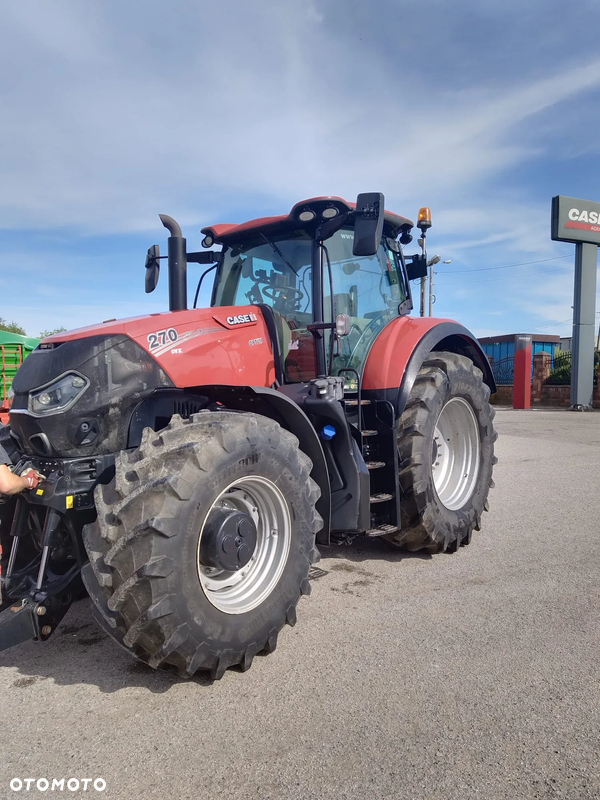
<point x="455" y="453"/>
<point x="241" y="591"/>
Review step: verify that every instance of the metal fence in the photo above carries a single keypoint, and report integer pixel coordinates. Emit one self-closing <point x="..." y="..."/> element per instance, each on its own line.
<point x="504" y="371"/>
<point x="560" y="374"/>
<point x="560" y="371"/>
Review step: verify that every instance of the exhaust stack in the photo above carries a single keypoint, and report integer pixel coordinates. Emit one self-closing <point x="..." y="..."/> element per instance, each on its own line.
<point x="177" y="264"/>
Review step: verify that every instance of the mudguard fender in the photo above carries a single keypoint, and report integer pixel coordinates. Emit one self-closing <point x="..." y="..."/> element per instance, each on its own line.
<point x="401" y="348"/>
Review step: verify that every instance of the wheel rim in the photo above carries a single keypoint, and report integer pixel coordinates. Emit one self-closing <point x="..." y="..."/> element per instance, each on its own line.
<point x="241" y="591"/>
<point x="456" y="453"/>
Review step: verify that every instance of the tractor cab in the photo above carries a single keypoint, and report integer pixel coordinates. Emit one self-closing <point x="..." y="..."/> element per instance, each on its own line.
<point x="277" y="272"/>
<point x="328" y="277"/>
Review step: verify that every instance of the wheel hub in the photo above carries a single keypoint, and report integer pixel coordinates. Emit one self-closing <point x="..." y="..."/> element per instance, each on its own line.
<point x="229" y="539"/>
<point x="455" y="456"/>
<point x="238" y="577"/>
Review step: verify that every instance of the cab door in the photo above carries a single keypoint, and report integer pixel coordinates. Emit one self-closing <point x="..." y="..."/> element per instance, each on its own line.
<point x="371" y="290"/>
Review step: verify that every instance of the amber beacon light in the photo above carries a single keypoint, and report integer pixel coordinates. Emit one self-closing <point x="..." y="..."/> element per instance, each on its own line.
<point x="424" y="218"/>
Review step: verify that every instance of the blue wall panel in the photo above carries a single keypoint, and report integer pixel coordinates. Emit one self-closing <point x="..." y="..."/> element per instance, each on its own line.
<point x="500" y="351"/>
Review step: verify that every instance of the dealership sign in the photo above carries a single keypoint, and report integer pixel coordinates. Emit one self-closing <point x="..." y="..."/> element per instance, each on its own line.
<point x="575" y="220"/>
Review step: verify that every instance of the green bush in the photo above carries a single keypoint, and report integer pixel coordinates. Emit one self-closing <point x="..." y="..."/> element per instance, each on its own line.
<point x="11" y="327"/>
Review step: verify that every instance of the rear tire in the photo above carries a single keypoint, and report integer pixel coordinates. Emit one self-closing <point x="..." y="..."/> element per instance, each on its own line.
<point x="153" y="590"/>
<point x="446" y="455"/>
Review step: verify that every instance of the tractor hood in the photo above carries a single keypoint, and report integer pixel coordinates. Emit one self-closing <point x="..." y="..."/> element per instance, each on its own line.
<point x="227" y="345"/>
<point x="75" y="394"/>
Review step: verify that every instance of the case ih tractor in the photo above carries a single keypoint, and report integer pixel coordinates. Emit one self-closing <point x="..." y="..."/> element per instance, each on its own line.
<point x="195" y="460"/>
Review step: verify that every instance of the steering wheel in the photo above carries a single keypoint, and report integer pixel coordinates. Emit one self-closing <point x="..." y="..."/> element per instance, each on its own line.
<point x="378" y="320"/>
<point x="269" y="291"/>
<point x="347" y="341"/>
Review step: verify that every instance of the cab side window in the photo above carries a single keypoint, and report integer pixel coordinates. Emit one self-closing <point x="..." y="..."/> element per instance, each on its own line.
<point x="368" y="289"/>
<point x="277" y="273"/>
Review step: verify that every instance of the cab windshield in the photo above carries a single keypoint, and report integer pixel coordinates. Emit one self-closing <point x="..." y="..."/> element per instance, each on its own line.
<point x="277" y="271"/>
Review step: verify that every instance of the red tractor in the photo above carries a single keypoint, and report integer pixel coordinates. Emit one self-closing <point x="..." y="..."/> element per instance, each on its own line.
<point x="195" y="460"/>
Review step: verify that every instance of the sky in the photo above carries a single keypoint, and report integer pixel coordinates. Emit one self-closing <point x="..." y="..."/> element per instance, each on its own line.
<point x="113" y="112"/>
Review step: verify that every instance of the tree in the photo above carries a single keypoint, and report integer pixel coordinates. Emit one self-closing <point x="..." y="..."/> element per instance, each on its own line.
<point x="43" y="334"/>
<point x="11" y="327"/>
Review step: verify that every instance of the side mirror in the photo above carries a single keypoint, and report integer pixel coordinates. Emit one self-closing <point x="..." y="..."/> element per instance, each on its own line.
<point x="342" y="325"/>
<point x="416" y="267"/>
<point x="368" y="223"/>
<point x="152" y="268"/>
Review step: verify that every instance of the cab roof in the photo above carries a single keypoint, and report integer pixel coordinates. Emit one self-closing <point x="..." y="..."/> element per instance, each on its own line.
<point x="393" y="223"/>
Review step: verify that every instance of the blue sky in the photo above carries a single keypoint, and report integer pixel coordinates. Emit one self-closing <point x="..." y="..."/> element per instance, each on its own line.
<point x="114" y="111"/>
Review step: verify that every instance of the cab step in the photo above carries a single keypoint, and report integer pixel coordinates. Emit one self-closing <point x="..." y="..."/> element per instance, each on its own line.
<point x="382" y="497"/>
<point x="355" y="402"/>
<point x="382" y="530"/>
<point x="369" y="433"/>
<point x="375" y="464"/>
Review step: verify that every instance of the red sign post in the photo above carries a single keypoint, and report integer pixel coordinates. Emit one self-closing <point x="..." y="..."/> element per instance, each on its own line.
<point x="522" y="373"/>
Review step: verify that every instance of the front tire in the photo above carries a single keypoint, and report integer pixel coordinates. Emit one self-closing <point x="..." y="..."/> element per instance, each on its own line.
<point x="163" y="569"/>
<point x="446" y="455"/>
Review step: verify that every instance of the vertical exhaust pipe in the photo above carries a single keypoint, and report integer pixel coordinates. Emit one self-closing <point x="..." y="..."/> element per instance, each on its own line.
<point x="177" y="265"/>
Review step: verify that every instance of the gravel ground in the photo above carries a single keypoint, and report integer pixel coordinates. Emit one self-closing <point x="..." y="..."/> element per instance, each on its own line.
<point x="473" y="675"/>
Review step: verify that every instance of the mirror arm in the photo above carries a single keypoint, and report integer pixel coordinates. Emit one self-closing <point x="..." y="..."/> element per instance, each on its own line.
<point x="205" y="257"/>
<point x="320" y="326"/>
<point x="327" y="229"/>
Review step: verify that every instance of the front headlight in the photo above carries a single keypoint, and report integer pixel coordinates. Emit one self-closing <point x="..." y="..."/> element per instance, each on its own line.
<point x="58" y="395"/>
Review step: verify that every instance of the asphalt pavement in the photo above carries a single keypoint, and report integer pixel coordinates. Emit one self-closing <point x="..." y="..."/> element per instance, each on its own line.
<point x="471" y="675"/>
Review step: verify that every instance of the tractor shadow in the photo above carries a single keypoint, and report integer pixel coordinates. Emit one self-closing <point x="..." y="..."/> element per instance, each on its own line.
<point x="356" y="565"/>
<point x="82" y="653"/>
<point x="362" y="549"/>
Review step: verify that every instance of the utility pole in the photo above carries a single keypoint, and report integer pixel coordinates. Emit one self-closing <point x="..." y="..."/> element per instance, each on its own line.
<point x="423" y="291"/>
<point x="430" y="263"/>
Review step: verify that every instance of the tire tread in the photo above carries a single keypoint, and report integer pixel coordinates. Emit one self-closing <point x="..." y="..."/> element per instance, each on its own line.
<point x="423" y="526"/>
<point x="129" y="576"/>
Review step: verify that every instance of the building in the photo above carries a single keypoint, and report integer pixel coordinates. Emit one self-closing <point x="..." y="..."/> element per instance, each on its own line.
<point x="565" y="342"/>
<point x="501" y="351"/>
<point x="500" y="347"/>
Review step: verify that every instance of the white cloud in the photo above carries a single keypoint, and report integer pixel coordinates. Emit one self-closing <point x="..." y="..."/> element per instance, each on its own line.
<point x="101" y="138"/>
<point x="207" y="110"/>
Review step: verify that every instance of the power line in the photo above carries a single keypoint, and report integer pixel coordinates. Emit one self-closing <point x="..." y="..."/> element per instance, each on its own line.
<point x="553" y="324"/>
<point x="491" y="280"/>
<point x="509" y="266"/>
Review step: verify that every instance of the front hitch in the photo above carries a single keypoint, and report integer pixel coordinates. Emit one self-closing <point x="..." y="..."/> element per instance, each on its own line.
<point x="36" y="591"/>
<point x="29" y="619"/>
<point x="43" y="550"/>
